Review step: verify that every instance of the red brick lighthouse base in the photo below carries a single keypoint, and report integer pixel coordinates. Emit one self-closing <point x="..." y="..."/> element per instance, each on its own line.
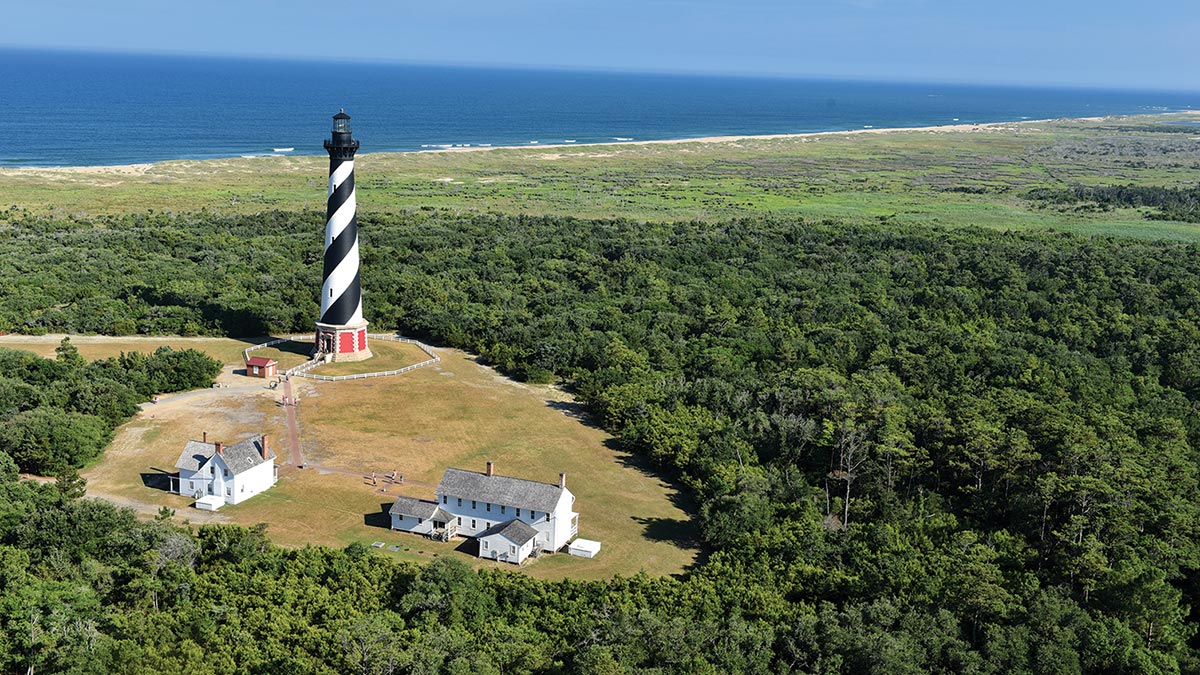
<point x="342" y="343"/>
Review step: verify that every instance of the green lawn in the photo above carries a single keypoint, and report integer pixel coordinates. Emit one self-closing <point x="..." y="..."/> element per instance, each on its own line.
<point x="453" y="413"/>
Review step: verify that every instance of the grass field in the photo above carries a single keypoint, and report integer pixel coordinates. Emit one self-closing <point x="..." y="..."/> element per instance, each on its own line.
<point x="93" y="347"/>
<point x="452" y="413"/>
<point x="289" y="354"/>
<point x="968" y="176"/>
<point x="385" y="356"/>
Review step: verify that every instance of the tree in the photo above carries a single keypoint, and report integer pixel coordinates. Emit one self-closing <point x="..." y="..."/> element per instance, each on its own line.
<point x="48" y="441"/>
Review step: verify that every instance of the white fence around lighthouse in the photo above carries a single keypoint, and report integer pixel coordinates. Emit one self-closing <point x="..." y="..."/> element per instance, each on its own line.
<point x="302" y="369"/>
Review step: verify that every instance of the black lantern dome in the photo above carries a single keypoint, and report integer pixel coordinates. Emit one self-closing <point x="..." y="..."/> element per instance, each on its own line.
<point x="342" y="144"/>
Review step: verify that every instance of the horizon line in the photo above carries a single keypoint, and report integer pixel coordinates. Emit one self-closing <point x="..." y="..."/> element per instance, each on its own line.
<point x="599" y="70"/>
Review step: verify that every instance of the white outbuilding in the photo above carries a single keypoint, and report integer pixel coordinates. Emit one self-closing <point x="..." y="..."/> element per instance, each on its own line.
<point x="584" y="548"/>
<point x="215" y="474"/>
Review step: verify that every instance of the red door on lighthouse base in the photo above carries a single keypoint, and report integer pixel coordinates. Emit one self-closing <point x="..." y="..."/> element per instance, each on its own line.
<point x="342" y="343"/>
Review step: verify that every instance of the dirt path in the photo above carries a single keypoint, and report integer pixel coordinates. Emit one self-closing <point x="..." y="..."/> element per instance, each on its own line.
<point x="196" y="393"/>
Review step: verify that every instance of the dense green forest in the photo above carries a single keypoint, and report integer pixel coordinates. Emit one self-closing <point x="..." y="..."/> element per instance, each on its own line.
<point x="56" y="414"/>
<point x="912" y="449"/>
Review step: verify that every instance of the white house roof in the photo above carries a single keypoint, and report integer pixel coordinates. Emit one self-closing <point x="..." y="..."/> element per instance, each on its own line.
<point x="514" y="530"/>
<point x="515" y="492"/>
<point x="418" y="508"/>
<point x="239" y="457"/>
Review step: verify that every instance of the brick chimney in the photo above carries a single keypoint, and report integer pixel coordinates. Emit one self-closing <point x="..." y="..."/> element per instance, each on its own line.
<point x="204" y="437"/>
<point x="491" y="468"/>
<point x="264" y="447"/>
<point x="220" y="448"/>
<point x="562" y="480"/>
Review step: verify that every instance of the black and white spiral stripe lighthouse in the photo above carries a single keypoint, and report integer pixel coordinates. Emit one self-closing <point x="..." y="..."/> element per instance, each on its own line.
<point x="341" y="330"/>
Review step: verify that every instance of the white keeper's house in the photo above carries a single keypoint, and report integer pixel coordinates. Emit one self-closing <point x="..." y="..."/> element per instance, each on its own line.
<point x="216" y="474"/>
<point x="513" y="518"/>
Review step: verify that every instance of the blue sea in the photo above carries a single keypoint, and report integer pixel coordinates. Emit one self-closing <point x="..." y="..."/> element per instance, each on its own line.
<point x="64" y="109"/>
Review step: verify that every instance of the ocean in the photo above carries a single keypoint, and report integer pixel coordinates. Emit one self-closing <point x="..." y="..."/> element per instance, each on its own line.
<point x="67" y="109"/>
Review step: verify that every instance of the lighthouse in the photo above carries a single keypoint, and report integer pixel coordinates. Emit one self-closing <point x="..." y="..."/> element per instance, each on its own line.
<point x="341" y="330"/>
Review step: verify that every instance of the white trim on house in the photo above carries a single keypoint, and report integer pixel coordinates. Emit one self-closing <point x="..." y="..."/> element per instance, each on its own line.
<point x="487" y="506"/>
<point x="233" y="475"/>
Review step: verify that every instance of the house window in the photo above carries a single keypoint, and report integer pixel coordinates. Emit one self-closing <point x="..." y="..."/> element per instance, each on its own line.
<point x="473" y="524"/>
<point x="255" y="370"/>
<point x="473" y="503"/>
<point x="212" y="470"/>
<point x="445" y="499"/>
<point x="512" y="549"/>
<point x="487" y="525"/>
<point x="502" y="507"/>
<point x="485" y="544"/>
<point x="228" y="492"/>
<point x="460" y="501"/>
<point x="518" y="513"/>
<point x="420" y="520"/>
<point x="533" y="515"/>
<point x="489" y="506"/>
<point x="460" y="520"/>
<point x="226" y="472"/>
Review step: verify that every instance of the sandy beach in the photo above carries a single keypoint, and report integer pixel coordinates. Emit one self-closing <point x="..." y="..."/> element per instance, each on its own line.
<point x="141" y="169"/>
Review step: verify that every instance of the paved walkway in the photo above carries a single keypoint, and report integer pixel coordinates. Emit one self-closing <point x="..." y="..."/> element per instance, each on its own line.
<point x="297" y="457"/>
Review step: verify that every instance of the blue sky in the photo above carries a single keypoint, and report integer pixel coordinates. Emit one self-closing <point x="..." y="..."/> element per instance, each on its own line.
<point x="1052" y="42"/>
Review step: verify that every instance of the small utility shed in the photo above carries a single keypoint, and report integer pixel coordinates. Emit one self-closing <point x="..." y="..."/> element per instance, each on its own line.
<point x="261" y="366"/>
<point x="511" y="541"/>
<point x="417" y="515"/>
<point x="584" y="548"/>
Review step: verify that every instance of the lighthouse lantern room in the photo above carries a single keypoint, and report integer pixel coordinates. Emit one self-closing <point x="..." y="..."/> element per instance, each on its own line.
<point x="341" y="329"/>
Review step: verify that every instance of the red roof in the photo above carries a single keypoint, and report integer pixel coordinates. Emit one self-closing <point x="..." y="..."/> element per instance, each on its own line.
<point x="261" y="361"/>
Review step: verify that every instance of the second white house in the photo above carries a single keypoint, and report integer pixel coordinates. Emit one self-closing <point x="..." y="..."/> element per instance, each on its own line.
<point x="512" y="517"/>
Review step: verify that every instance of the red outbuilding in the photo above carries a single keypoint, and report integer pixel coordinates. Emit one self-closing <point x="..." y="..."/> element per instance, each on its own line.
<point x="261" y="366"/>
